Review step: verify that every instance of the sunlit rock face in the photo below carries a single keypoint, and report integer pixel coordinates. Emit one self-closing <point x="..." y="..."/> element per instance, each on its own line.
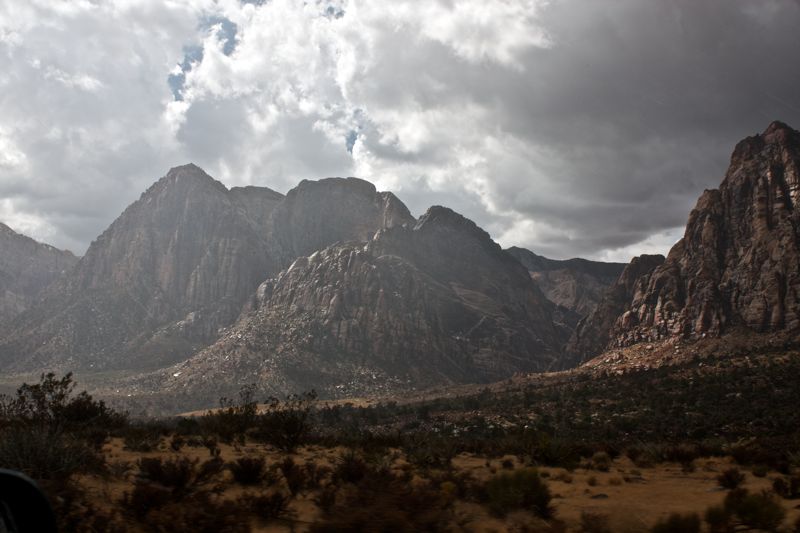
<point x="738" y="263"/>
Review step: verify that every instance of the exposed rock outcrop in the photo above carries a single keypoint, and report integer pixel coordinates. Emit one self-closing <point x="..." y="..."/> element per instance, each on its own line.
<point x="574" y="285"/>
<point x="316" y="214"/>
<point x="156" y="285"/>
<point x="435" y="303"/>
<point x="738" y="263"/>
<point x="27" y="267"/>
<point x="594" y="332"/>
<point x="179" y="264"/>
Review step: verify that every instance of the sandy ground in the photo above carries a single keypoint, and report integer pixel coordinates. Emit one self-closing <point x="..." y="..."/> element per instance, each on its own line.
<point x="632" y="498"/>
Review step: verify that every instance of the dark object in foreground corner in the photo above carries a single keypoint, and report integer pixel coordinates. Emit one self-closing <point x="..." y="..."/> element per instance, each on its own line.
<point x="23" y="506"/>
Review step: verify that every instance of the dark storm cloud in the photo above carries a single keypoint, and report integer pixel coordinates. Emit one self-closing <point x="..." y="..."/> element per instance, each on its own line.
<point x="570" y="127"/>
<point x="639" y="105"/>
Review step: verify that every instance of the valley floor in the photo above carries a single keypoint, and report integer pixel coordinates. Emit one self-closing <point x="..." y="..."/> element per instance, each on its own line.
<point x="628" y="497"/>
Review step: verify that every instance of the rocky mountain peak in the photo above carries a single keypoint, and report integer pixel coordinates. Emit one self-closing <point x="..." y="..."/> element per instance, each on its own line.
<point x="27" y="267"/>
<point x="434" y="303"/>
<point x="737" y="263"/>
<point x="316" y="214"/>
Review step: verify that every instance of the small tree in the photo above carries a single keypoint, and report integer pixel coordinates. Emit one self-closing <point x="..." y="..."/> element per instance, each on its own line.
<point x="285" y="424"/>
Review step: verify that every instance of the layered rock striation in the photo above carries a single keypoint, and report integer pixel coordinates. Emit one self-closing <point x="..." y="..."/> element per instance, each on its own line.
<point x="178" y="265"/>
<point x="737" y="265"/>
<point x="574" y="285"/>
<point x="434" y="303"/>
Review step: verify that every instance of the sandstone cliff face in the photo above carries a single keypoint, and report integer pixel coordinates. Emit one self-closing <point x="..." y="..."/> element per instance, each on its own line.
<point x="27" y="267"/>
<point x="158" y="283"/>
<point x="574" y="285"/>
<point x="593" y="332"/>
<point x="435" y="303"/>
<point x="179" y="264"/>
<point x="737" y="264"/>
<point x="316" y="214"/>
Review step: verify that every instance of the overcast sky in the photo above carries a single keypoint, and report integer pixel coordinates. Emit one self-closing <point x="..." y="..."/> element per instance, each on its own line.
<point x="570" y="127"/>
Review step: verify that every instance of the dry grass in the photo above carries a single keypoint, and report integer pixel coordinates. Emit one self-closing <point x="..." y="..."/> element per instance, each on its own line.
<point x="632" y="502"/>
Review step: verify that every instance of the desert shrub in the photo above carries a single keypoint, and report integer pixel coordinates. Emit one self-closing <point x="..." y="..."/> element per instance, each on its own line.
<point x="787" y="487"/>
<point x="295" y="475"/>
<point x="177" y="474"/>
<point x="591" y="481"/>
<point x="429" y="451"/>
<point x="143" y="497"/>
<point x="730" y="479"/>
<point x="760" y="470"/>
<point x="177" y="442"/>
<point x="326" y="498"/>
<point x="744" y="510"/>
<point x="141" y="438"/>
<point x="351" y="467"/>
<point x="248" y="470"/>
<point x="208" y="470"/>
<point x="200" y="513"/>
<point x="46" y="453"/>
<point x="383" y="502"/>
<point x="286" y="424"/>
<point x="266" y="507"/>
<point x="119" y="469"/>
<point x="601" y="461"/>
<point x="507" y="464"/>
<point x="75" y="511"/>
<point x="234" y="417"/>
<point x="523" y="489"/>
<point x="52" y="403"/>
<point x="546" y="450"/>
<point x="315" y="474"/>
<point x="683" y="453"/>
<point x="678" y="523"/>
<point x="211" y="445"/>
<point x="594" y="523"/>
<point x="718" y="519"/>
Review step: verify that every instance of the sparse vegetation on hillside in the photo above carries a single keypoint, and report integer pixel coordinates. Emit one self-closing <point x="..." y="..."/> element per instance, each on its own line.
<point x="360" y="468"/>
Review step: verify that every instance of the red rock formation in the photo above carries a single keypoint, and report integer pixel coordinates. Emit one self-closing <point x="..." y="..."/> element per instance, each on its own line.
<point x="738" y="263"/>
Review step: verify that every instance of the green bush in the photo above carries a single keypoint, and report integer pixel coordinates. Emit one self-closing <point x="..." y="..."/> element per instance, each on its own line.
<point x="523" y="489"/>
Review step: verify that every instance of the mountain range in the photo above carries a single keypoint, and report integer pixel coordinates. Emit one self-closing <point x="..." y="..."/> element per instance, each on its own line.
<point x="197" y="289"/>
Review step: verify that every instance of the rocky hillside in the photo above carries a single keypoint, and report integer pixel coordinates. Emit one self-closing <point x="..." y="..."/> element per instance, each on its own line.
<point x="27" y="267"/>
<point x="179" y="264"/>
<point x="574" y="285"/>
<point x="593" y="332"/>
<point x="736" y="265"/>
<point x="434" y="303"/>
